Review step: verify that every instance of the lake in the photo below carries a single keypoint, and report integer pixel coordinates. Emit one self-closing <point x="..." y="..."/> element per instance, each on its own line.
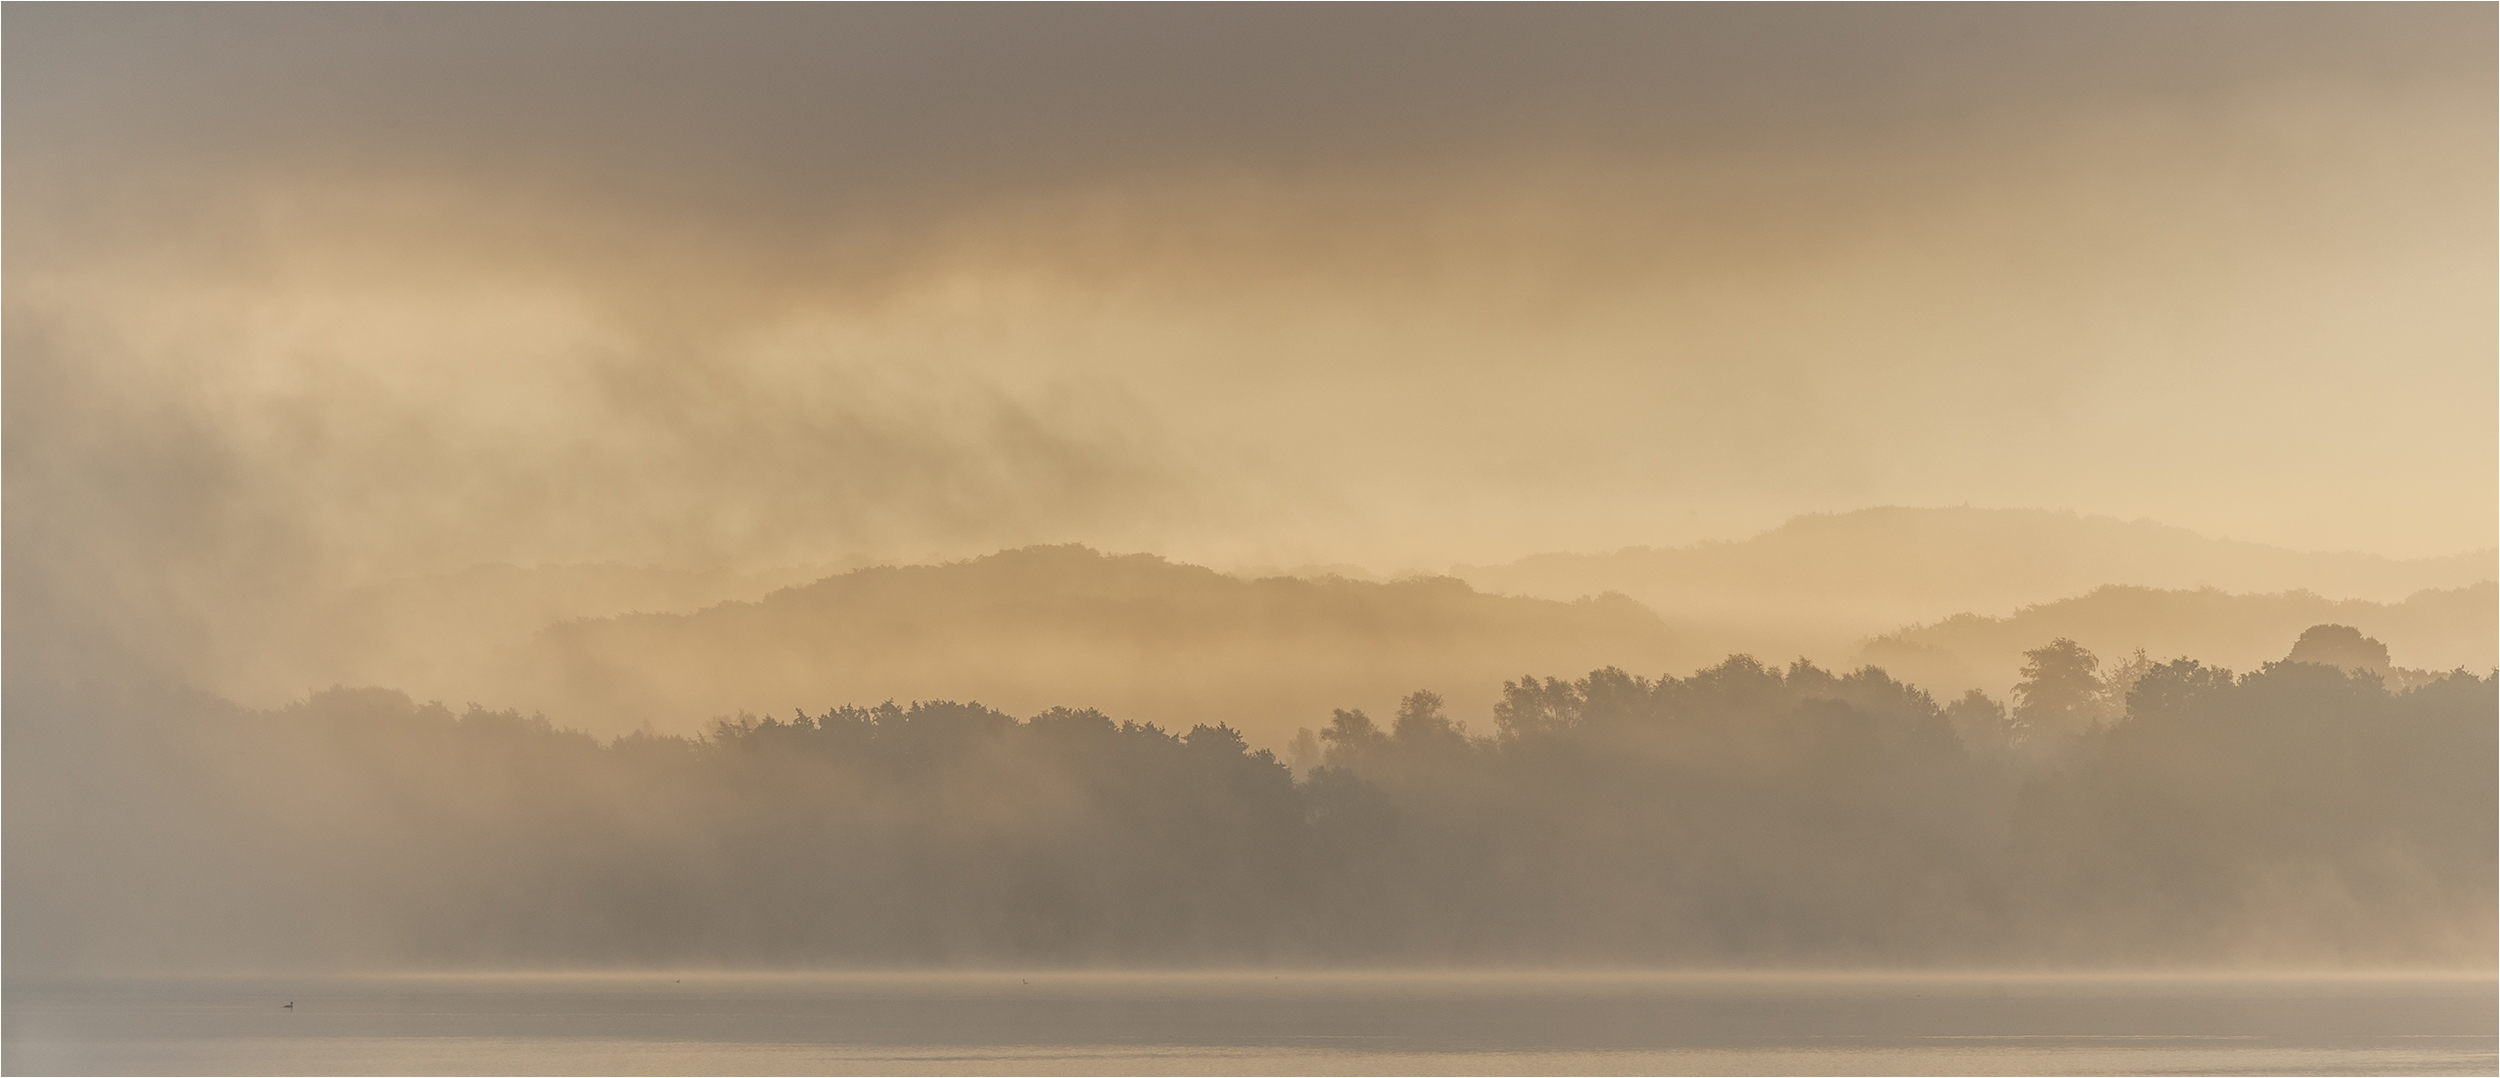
<point x="1261" y="1022"/>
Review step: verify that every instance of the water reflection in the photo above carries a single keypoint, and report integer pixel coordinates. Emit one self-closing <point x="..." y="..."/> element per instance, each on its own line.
<point x="1259" y="1022"/>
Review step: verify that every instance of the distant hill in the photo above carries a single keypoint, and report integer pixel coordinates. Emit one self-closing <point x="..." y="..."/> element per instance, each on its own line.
<point x="610" y="647"/>
<point x="1136" y="636"/>
<point x="1820" y="583"/>
<point x="431" y="635"/>
<point x="2435" y="630"/>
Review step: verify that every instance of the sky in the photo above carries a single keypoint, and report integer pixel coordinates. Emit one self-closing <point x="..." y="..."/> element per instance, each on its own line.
<point x="318" y="296"/>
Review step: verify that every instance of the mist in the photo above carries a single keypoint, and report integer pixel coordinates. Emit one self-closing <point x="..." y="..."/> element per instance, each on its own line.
<point x="534" y="488"/>
<point x="2166" y="815"/>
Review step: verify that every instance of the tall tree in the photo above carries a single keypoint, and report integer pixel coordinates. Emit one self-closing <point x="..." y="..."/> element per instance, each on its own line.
<point x="2060" y="695"/>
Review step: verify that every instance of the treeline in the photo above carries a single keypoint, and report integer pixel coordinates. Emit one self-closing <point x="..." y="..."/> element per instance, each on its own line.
<point x="1745" y="814"/>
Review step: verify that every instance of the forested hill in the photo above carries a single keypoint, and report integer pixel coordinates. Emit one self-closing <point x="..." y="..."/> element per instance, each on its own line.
<point x="1031" y="628"/>
<point x="1857" y="573"/>
<point x="2432" y="630"/>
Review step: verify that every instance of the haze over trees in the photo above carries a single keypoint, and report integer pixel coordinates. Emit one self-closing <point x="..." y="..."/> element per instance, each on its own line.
<point x="2126" y="813"/>
<point x="700" y="403"/>
<point x="2430" y="631"/>
<point x="1169" y="765"/>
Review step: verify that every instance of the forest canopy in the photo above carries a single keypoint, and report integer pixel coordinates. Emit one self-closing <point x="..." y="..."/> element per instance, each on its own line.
<point x="2131" y="812"/>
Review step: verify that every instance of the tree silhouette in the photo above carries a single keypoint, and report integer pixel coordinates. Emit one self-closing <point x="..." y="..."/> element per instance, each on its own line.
<point x="1742" y="813"/>
<point x="2060" y="694"/>
<point x="2342" y="647"/>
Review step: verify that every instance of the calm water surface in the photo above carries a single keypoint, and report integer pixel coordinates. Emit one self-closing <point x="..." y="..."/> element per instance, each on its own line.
<point x="1256" y="1023"/>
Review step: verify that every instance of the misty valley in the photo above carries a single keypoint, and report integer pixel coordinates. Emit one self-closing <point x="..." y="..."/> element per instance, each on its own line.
<point x="2064" y="860"/>
<point x="1359" y="538"/>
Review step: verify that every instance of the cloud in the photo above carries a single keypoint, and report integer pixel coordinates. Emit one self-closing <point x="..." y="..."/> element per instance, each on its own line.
<point x="335" y="295"/>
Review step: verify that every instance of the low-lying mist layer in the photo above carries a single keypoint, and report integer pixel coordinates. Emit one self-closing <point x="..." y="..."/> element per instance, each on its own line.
<point x="1742" y="815"/>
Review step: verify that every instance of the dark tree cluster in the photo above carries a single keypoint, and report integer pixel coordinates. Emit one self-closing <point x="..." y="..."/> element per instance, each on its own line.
<point x="1746" y="814"/>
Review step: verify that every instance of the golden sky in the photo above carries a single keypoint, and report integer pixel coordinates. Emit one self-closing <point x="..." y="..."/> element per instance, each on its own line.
<point x="338" y="293"/>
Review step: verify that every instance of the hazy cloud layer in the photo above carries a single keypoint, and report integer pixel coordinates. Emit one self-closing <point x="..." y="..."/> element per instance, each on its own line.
<point x="333" y="295"/>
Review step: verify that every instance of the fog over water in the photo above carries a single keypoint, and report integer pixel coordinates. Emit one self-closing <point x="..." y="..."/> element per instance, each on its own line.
<point x="1158" y="493"/>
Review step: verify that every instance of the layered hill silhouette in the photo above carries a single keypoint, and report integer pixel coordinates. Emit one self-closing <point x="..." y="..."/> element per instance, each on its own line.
<point x="1820" y="583"/>
<point x="1137" y="636"/>
<point x="2435" y="630"/>
<point x="613" y="649"/>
